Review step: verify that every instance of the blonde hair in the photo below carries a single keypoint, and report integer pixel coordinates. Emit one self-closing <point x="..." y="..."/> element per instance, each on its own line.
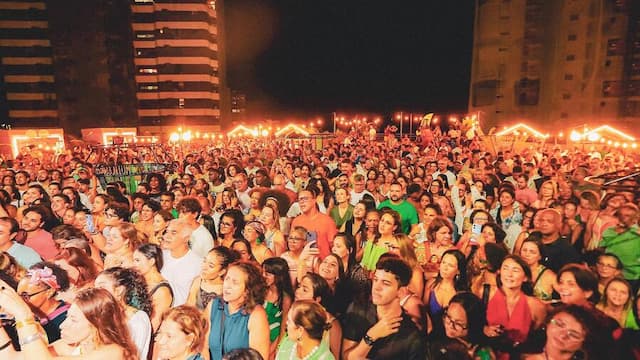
<point x="407" y="250"/>
<point x="191" y="322"/>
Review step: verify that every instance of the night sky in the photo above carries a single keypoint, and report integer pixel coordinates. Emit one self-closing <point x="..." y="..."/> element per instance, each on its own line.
<point x="314" y="57"/>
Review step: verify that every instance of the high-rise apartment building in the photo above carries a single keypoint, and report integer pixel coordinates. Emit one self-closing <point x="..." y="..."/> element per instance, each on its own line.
<point x="556" y="63"/>
<point x="178" y="61"/>
<point x="27" y="88"/>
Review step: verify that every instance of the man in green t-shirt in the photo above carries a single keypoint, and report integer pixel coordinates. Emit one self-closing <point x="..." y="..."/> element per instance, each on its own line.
<point x="623" y="240"/>
<point x="408" y="213"/>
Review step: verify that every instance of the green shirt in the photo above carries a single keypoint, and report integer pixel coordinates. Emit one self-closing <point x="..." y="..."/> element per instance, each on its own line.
<point x="287" y="348"/>
<point x="371" y="254"/>
<point x="626" y="246"/>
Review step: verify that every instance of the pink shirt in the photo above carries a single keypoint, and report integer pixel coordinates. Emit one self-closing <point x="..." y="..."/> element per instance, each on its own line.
<point x="42" y="242"/>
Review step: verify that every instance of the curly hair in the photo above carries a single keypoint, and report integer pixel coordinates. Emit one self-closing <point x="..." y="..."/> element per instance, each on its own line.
<point x="255" y="286"/>
<point x="135" y="294"/>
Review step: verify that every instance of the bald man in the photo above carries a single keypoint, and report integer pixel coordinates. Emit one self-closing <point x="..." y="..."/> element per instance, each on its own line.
<point x="558" y="250"/>
<point x="181" y="265"/>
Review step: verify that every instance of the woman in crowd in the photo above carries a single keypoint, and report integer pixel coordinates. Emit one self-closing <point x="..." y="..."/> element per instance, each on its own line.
<point x="253" y="232"/>
<point x="11" y="267"/>
<point x="100" y="203"/>
<point x="278" y="298"/>
<point x="95" y="329"/>
<point x="130" y="290"/>
<point x="547" y="194"/>
<point x="507" y="215"/>
<point x="419" y="231"/>
<point x="608" y="266"/>
<point x="230" y="227"/>
<point x="148" y="261"/>
<point x="273" y="237"/>
<point x="617" y="303"/>
<point x="369" y="234"/>
<point x="356" y="224"/>
<point x="324" y="199"/>
<point x="511" y="312"/>
<point x="440" y="236"/>
<point x="39" y="288"/>
<point x="119" y="247"/>
<point x="158" y="185"/>
<point x="238" y="320"/>
<point x="181" y="334"/>
<point x="306" y="324"/>
<point x="577" y="284"/>
<point x="439" y="192"/>
<point x="208" y="285"/>
<point x="343" y="210"/>
<point x="572" y="227"/>
<point x="315" y="288"/>
<point x="463" y="321"/>
<point x="160" y="222"/>
<point x="243" y="248"/>
<point x="254" y="209"/>
<point x="451" y="278"/>
<point x="544" y="279"/>
<point x="148" y="212"/>
<point x="403" y="247"/>
<point x="355" y="277"/>
<point x="389" y="223"/>
<point x="228" y="200"/>
<point x="80" y="268"/>
<point x="602" y="220"/>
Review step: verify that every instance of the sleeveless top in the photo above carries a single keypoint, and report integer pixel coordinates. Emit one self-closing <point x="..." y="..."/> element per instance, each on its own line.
<point x="371" y="254"/>
<point x="435" y="309"/>
<point x="518" y="324"/>
<point x="158" y="286"/>
<point x="203" y="298"/>
<point x="274" y="316"/>
<point x="227" y="331"/>
<point x="538" y="291"/>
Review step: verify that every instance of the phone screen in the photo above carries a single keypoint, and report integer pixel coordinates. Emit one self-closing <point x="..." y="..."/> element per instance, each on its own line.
<point x="312" y="239"/>
<point x="90" y="224"/>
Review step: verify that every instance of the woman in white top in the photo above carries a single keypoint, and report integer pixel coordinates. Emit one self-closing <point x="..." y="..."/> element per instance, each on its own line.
<point x="130" y="289"/>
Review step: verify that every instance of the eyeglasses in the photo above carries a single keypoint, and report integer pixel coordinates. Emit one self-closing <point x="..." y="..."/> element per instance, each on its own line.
<point x="571" y="334"/>
<point x="294" y="239"/>
<point x="226" y="224"/>
<point x="454" y="324"/>
<point x="607" y="266"/>
<point x="26" y="296"/>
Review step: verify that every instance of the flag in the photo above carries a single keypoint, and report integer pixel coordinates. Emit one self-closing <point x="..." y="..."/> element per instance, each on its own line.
<point x="426" y="120"/>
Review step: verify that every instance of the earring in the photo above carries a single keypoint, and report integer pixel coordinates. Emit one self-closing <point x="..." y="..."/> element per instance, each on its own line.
<point x="456" y="278"/>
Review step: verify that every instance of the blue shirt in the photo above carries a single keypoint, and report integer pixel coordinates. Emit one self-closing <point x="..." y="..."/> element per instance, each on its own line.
<point x="24" y="255"/>
<point x="236" y="330"/>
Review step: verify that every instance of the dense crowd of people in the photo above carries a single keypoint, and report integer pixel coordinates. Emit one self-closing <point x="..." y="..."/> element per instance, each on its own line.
<point x="434" y="248"/>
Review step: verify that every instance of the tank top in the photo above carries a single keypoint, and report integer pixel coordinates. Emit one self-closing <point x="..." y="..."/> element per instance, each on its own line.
<point x="227" y="331"/>
<point x="203" y="298"/>
<point x="274" y="316"/>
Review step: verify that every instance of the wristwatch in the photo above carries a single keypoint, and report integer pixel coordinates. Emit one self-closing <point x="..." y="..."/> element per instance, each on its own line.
<point x="368" y="340"/>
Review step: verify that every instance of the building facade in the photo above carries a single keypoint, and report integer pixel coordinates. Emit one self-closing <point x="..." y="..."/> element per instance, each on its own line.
<point x="27" y="82"/>
<point x="179" y="62"/>
<point x="552" y="62"/>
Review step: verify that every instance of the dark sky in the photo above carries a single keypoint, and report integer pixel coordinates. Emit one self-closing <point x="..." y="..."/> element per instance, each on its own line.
<point x="314" y="57"/>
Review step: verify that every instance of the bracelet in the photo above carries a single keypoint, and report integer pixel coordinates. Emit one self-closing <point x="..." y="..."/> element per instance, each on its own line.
<point x="29" y="339"/>
<point x="22" y="323"/>
<point x="6" y="345"/>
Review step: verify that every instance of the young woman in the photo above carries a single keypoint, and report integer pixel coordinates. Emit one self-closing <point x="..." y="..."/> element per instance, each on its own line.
<point x="148" y="261"/>
<point x="253" y="232"/>
<point x="617" y="302"/>
<point x="578" y="285"/>
<point x="238" y="320"/>
<point x="160" y="222"/>
<point x="80" y="268"/>
<point x="278" y="298"/>
<point x="99" y="206"/>
<point x="130" y="290"/>
<point x="544" y="279"/>
<point x="230" y="227"/>
<point x="387" y="227"/>
<point x="355" y="277"/>
<point x="419" y="231"/>
<point x="273" y="237"/>
<point x="451" y="278"/>
<point x="369" y="234"/>
<point x="243" y="248"/>
<point x="181" y="334"/>
<point x="343" y="211"/>
<point x="356" y="224"/>
<point x="306" y="324"/>
<point x="208" y="285"/>
<point x="548" y="194"/>
<point x="314" y="287"/>
<point x="403" y="247"/>
<point x="95" y="329"/>
<point x="147" y="213"/>
<point x="507" y="215"/>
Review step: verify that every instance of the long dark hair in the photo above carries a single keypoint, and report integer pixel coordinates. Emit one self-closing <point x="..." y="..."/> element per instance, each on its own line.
<point x="350" y="244"/>
<point x="136" y="294"/>
<point x="280" y="270"/>
<point x="527" y="285"/>
<point x="460" y="282"/>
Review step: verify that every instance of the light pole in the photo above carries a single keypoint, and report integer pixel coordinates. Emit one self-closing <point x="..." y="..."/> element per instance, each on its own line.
<point x="400" y="117"/>
<point x="334" y="122"/>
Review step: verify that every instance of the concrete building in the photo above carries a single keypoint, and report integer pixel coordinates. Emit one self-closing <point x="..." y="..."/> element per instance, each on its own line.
<point x="556" y="63"/>
<point x="179" y="62"/>
<point x="27" y="87"/>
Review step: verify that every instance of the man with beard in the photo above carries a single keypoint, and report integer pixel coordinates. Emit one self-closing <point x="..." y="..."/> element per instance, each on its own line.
<point x="381" y="329"/>
<point x="408" y="213"/>
<point x="22" y="183"/>
<point x="38" y="238"/>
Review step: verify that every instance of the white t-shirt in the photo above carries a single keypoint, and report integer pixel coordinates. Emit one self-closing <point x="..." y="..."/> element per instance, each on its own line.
<point x="140" y="329"/>
<point x="180" y="273"/>
<point x="201" y="241"/>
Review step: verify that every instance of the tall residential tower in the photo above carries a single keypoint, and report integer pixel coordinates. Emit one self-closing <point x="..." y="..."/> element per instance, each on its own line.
<point x="548" y="62"/>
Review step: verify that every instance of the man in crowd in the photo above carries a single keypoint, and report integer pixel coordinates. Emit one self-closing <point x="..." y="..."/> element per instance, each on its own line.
<point x="38" y="238"/>
<point x="201" y="240"/>
<point x="181" y="265"/>
<point x="408" y="213"/>
<point x="623" y="240"/>
<point x="241" y="184"/>
<point x="557" y="248"/>
<point x="24" y="255"/>
<point x="321" y="227"/>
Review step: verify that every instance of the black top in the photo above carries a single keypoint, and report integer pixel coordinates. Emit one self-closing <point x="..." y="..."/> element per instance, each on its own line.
<point x="559" y="253"/>
<point x="408" y="343"/>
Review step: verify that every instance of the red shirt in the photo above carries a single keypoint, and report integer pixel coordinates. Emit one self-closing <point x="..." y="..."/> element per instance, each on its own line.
<point x="42" y="242"/>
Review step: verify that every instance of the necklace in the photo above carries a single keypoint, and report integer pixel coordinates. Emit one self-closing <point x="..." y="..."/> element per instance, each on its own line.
<point x="294" y="352"/>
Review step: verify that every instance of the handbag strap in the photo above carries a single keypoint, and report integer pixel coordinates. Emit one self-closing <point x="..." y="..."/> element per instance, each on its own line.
<point x="222" y="318"/>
